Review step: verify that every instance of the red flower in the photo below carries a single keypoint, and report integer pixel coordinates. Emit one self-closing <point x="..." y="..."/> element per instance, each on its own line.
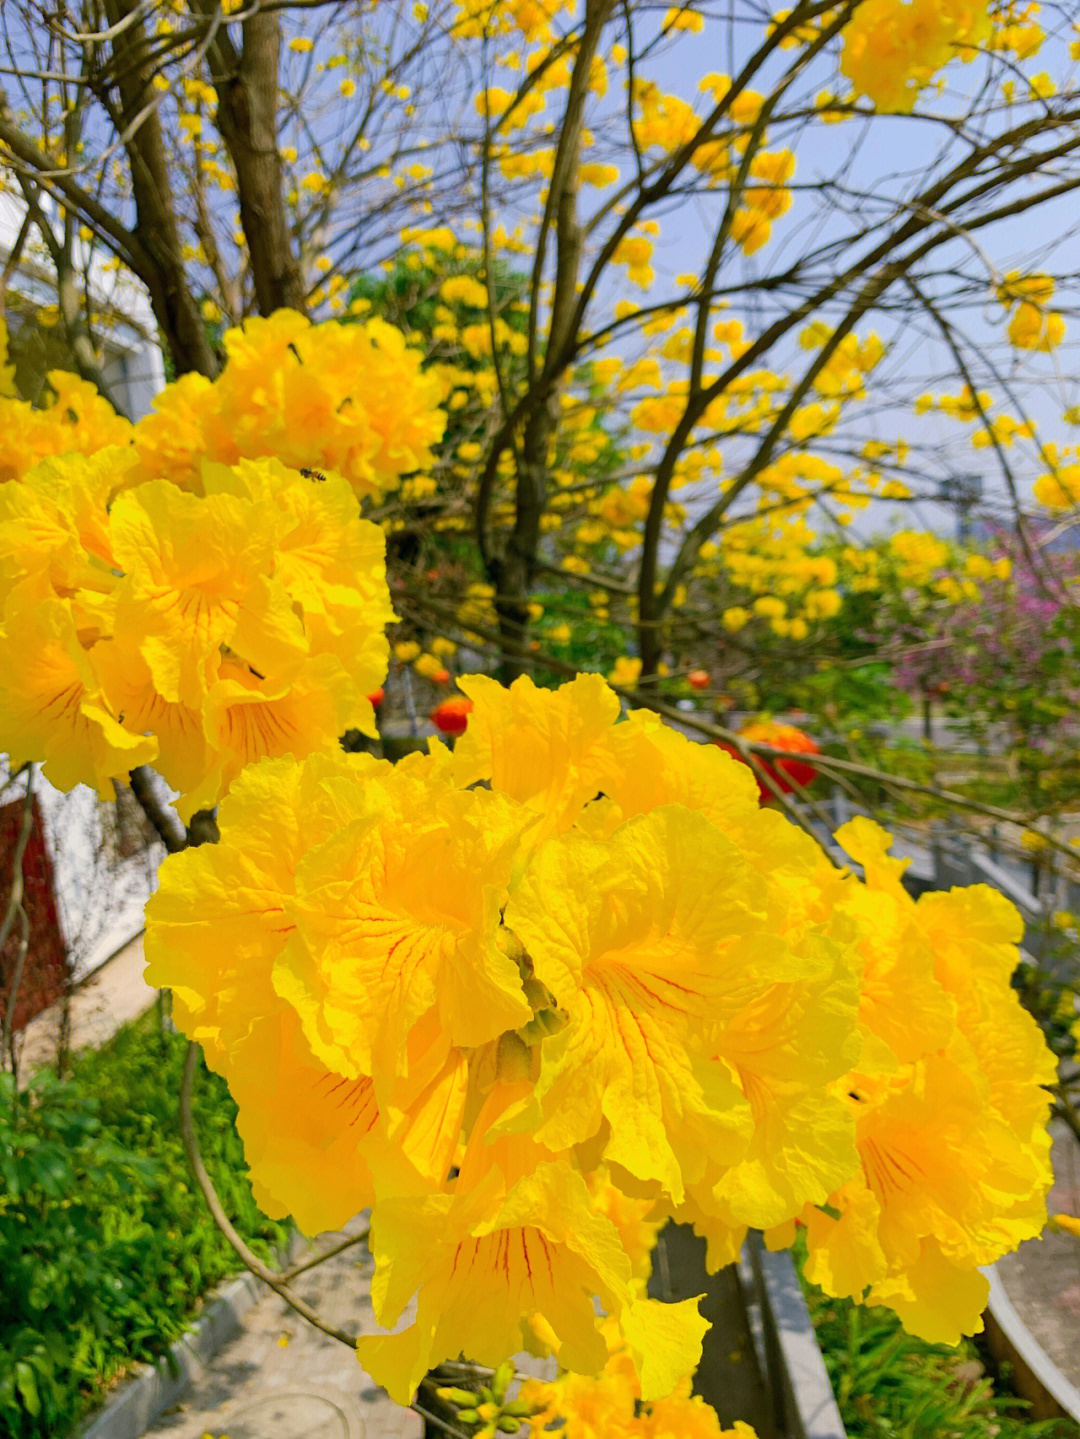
<point x="699" y="679"/>
<point x="785" y="773"/>
<point x="452" y="715"/>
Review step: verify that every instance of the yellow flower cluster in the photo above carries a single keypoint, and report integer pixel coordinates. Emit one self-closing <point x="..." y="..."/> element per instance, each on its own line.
<point x="786" y="585"/>
<point x="454" y="989"/>
<point x="918" y="554"/>
<point x="77" y="420"/>
<point x="197" y="632"/>
<point x="609" y="1407"/>
<point x="953" y="1150"/>
<point x="893" y="48"/>
<point x="1061" y="490"/>
<point x="532" y="19"/>
<point x="1031" y="326"/>
<point x="349" y="398"/>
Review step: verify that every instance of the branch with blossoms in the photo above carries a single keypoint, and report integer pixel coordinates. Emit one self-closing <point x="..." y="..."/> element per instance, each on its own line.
<point x="610" y="902"/>
<point x="834" y="767"/>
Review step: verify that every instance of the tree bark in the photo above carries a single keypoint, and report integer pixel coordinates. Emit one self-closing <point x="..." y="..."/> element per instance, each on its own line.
<point x="515" y="569"/>
<point x="247" y="91"/>
<point x="175" y="307"/>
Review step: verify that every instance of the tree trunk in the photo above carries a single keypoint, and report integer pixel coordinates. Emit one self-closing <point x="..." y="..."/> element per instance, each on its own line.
<point x="515" y="570"/>
<point x="175" y="307"/>
<point x="247" y="91"/>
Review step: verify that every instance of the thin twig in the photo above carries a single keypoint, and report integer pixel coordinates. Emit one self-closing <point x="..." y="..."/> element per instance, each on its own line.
<point x="251" y="1261"/>
<point x="305" y="1264"/>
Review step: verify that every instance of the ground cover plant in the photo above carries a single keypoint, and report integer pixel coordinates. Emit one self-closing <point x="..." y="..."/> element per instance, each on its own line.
<point x="891" y="1385"/>
<point x="106" y="1246"/>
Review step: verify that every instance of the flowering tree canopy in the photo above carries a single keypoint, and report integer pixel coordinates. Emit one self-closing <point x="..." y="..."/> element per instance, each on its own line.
<point x="646" y="407"/>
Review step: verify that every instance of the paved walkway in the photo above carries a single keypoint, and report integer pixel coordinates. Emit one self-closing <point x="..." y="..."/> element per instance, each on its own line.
<point x="280" y="1378"/>
<point x="112" y="996"/>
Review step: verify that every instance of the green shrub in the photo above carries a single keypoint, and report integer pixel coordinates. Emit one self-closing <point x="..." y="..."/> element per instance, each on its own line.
<point x="890" y="1385"/>
<point x="106" y="1244"/>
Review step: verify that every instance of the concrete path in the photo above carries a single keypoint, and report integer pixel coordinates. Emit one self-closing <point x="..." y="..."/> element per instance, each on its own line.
<point x="280" y="1378"/>
<point x="112" y="996"/>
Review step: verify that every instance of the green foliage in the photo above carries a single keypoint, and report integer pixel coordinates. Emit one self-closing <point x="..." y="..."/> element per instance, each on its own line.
<point x="105" y="1243"/>
<point x="574" y="631"/>
<point x="890" y="1385"/>
<point x="408" y="293"/>
<point x="856" y="694"/>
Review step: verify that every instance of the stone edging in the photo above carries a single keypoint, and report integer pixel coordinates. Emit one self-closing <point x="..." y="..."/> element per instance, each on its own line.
<point x="153" y="1388"/>
<point x="1035" y="1375"/>
<point x="793" y="1367"/>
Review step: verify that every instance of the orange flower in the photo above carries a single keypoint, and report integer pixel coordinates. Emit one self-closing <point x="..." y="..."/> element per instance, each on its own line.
<point x="452" y="715"/>
<point x="786" y="774"/>
<point x="699" y="679"/>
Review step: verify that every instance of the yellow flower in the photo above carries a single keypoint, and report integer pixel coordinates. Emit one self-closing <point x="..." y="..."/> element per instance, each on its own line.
<point x="329" y="561"/>
<point x="215" y="929"/>
<point x="610" y="1405"/>
<point x="499" y="1269"/>
<point x="414" y="929"/>
<point x="51" y="704"/>
<point x="196" y="577"/>
<point x="619" y="933"/>
<point x="644" y="764"/>
<point x="952" y="1143"/>
<point x="183" y="758"/>
<point x="290" y="389"/>
<point x="430" y="666"/>
<point x="893" y="48"/>
<point x="75" y="419"/>
<point x="247" y="717"/>
<point x="626" y="671"/>
<point x="539" y="747"/>
<point x="1032" y="328"/>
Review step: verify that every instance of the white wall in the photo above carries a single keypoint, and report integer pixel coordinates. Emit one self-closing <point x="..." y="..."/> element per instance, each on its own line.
<point x="133" y="367"/>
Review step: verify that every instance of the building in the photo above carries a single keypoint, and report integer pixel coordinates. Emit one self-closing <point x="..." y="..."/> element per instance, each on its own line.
<point x="133" y="364"/>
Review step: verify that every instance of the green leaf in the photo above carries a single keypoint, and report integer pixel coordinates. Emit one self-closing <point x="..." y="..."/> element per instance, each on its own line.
<point x="27" y="1387"/>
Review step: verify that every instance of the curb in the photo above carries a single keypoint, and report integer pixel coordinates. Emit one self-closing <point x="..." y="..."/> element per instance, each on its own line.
<point x="1035" y="1376"/>
<point x="153" y="1388"/>
<point x="805" y="1406"/>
